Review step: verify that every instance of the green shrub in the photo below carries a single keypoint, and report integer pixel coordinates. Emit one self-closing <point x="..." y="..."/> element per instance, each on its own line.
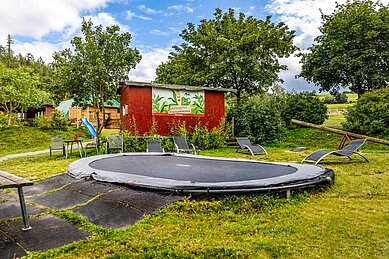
<point x="259" y="117"/>
<point x="4" y="120"/>
<point x="306" y="107"/>
<point x="56" y="121"/>
<point x="336" y="98"/>
<point x="200" y="135"/>
<point x="370" y="115"/>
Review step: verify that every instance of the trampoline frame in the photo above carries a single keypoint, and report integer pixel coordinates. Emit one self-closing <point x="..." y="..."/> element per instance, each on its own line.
<point x="306" y="176"/>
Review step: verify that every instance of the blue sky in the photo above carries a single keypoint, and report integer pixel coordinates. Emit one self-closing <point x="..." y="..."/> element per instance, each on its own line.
<point x="42" y="27"/>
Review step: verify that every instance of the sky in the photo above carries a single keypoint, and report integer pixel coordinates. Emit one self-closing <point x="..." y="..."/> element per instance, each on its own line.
<point x="41" y="27"/>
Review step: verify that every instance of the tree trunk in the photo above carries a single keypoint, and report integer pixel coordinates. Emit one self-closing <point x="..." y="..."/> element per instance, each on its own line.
<point x="100" y="111"/>
<point x="355" y="135"/>
<point x="238" y="95"/>
<point x="9" y="114"/>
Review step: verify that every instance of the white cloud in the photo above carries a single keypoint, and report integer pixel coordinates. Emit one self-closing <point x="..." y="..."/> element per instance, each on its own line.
<point x="303" y="16"/>
<point x="170" y="31"/>
<point x="131" y="15"/>
<point x="41" y="49"/>
<point x="145" y="70"/>
<point x="181" y="8"/>
<point x="147" y="10"/>
<point x="40" y="17"/>
<point x="106" y="19"/>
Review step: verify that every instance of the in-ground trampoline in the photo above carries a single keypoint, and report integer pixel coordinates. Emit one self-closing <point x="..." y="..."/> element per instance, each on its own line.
<point x="199" y="174"/>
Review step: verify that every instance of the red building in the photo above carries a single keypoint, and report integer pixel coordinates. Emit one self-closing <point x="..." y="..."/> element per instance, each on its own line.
<point x="148" y="104"/>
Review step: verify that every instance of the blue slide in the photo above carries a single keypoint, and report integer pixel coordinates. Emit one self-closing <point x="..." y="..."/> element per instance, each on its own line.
<point x="89" y="126"/>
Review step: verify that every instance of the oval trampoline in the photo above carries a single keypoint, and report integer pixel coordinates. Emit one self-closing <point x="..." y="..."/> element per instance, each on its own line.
<point x="199" y="174"/>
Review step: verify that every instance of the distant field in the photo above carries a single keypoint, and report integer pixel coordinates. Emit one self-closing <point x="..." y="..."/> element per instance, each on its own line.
<point x="351" y="97"/>
<point x="339" y="105"/>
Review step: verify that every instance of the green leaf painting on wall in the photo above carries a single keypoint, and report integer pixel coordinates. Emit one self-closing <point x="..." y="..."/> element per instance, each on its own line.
<point x="179" y="102"/>
<point x="198" y="104"/>
<point x="159" y="104"/>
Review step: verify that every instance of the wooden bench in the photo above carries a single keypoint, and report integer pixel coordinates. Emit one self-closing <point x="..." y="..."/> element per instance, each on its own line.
<point x="8" y="180"/>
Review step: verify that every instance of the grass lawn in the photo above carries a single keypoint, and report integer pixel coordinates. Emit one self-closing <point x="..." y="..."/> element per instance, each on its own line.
<point x="339" y="105"/>
<point x="349" y="220"/>
<point x="335" y="121"/>
<point x="26" y="139"/>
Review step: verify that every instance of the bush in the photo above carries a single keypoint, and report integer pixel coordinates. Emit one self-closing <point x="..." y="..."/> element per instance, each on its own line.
<point x="370" y="115"/>
<point x="56" y="121"/>
<point x="4" y="120"/>
<point x="306" y="107"/>
<point x="201" y="136"/>
<point x="336" y="98"/>
<point x="259" y="117"/>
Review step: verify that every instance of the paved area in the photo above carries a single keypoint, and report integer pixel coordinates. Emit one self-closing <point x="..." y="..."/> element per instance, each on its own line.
<point x="3" y="158"/>
<point x="102" y="204"/>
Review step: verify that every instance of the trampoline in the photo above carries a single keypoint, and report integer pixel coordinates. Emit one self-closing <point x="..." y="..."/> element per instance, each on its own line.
<point x="191" y="174"/>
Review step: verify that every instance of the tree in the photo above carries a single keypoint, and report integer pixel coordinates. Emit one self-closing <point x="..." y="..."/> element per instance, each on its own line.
<point x="92" y="70"/>
<point x="370" y="115"/>
<point x="19" y="90"/>
<point x="352" y="50"/>
<point x="304" y="106"/>
<point x="240" y="53"/>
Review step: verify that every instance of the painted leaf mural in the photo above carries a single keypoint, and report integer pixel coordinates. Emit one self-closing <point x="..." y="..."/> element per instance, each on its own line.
<point x="179" y="102"/>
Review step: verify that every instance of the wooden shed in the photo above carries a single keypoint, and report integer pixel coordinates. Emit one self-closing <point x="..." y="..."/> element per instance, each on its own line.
<point x="145" y="105"/>
<point x="75" y="113"/>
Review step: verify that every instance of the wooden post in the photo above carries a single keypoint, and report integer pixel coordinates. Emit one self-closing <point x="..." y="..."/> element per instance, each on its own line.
<point x="342" y="132"/>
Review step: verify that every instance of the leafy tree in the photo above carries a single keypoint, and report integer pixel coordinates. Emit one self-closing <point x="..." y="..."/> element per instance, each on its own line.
<point x="259" y="117"/>
<point x="353" y="49"/>
<point x="240" y="53"/>
<point x="305" y="106"/>
<point x="93" y="69"/>
<point x="19" y="90"/>
<point x="370" y="115"/>
<point x="39" y="67"/>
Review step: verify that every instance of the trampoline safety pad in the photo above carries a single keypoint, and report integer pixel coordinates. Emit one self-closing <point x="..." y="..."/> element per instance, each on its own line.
<point x="199" y="174"/>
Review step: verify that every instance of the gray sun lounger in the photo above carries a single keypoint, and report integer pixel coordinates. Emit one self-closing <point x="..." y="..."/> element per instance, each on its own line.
<point x="254" y="149"/>
<point x="183" y="147"/>
<point x="351" y="148"/>
<point x="154" y="146"/>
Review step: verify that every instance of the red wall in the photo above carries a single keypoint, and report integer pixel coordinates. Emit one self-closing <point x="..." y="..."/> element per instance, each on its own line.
<point x="139" y="104"/>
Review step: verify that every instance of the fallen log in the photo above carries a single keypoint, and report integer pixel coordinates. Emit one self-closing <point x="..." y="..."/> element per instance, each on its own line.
<point x="338" y="131"/>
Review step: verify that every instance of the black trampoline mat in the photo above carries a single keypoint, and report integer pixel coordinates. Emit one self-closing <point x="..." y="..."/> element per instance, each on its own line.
<point x="191" y="169"/>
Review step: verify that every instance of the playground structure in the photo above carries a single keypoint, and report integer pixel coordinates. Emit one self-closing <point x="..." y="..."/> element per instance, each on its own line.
<point x="89" y="127"/>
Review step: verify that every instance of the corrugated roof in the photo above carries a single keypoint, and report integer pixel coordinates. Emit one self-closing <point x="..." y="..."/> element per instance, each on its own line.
<point x="178" y="87"/>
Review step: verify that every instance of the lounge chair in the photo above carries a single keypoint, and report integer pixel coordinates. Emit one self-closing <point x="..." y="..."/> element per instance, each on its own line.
<point x="56" y="143"/>
<point x="351" y="148"/>
<point x="183" y="147"/>
<point x="154" y="146"/>
<point x="254" y="149"/>
<point x="115" y="142"/>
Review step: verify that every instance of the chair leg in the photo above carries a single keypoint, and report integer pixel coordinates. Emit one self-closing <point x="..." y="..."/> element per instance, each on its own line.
<point x="51" y="152"/>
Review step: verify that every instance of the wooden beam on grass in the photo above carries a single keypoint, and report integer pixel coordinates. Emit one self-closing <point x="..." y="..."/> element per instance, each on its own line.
<point x="338" y="131"/>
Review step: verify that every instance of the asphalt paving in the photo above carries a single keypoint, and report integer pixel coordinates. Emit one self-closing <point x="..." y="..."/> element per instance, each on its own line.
<point x="102" y="204"/>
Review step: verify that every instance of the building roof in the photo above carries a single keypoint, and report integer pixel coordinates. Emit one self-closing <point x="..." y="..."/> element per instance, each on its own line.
<point x="177" y="87"/>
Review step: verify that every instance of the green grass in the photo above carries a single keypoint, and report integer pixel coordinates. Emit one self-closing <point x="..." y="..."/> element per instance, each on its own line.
<point x="27" y="139"/>
<point x="339" y="105"/>
<point x="334" y="121"/>
<point x="349" y="220"/>
<point x="350" y="97"/>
